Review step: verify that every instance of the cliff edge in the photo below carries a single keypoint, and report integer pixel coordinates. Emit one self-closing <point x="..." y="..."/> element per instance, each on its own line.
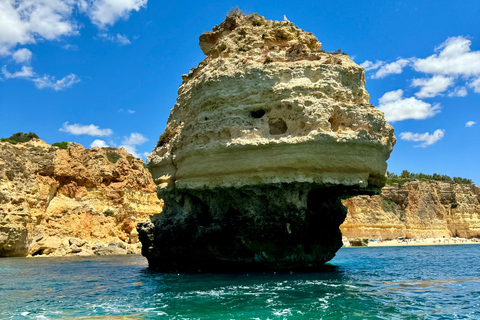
<point x="416" y="209"/>
<point x="73" y="201"/>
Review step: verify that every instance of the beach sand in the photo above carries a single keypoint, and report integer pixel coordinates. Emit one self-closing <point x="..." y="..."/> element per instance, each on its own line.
<point x="423" y="242"/>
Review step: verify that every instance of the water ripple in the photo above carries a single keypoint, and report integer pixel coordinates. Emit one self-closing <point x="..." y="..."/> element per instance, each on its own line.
<point x="360" y="283"/>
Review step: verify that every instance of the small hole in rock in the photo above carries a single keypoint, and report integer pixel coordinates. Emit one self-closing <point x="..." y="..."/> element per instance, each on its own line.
<point x="277" y="126"/>
<point x="258" y="113"/>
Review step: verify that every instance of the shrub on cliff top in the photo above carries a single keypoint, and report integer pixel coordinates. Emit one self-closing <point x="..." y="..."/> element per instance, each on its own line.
<point x="113" y="156"/>
<point x="61" y="145"/>
<point x="235" y="11"/>
<point x="20" y="137"/>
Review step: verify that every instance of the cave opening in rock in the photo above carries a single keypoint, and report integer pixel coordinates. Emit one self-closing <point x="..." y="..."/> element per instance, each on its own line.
<point x="257" y="114"/>
<point x="37" y="253"/>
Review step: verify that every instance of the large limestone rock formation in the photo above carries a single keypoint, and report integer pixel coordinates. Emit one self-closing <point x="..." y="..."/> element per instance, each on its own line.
<point x="73" y="201"/>
<point x="415" y="210"/>
<point x="268" y="134"/>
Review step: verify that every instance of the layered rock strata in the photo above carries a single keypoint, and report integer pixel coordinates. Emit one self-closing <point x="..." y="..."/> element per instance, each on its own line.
<point x="415" y="210"/>
<point x="61" y="202"/>
<point x="268" y="134"/>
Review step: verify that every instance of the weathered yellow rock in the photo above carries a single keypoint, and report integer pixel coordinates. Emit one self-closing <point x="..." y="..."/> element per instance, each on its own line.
<point x="267" y="106"/>
<point x="415" y="210"/>
<point x="48" y="195"/>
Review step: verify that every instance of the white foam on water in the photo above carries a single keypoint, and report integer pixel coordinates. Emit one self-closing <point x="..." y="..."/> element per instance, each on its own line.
<point x="284" y="312"/>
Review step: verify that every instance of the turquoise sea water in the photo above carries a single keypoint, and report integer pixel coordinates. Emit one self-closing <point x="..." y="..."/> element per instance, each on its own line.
<point x="438" y="282"/>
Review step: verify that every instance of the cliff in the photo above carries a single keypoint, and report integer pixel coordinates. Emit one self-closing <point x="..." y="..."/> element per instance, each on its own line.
<point x="73" y="201"/>
<point x="268" y="134"/>
<point x="415" y="210"/>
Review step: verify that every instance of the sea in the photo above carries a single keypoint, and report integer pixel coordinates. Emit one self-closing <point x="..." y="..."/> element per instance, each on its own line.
<point x="424" y="282"/>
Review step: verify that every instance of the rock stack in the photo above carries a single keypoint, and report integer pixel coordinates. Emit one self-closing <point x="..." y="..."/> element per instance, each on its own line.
<point x="268" y="134"/>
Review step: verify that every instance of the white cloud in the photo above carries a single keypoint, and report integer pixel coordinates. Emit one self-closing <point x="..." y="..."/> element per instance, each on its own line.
<point x="130" y="143"/>
<point x="135" y="139"/>
<point x="470" y="124"/>
<point x="454" y="58"/>
<point x="452" y="61"/>
<point x="475" y="85"/>
<point x="397" y="108"/>
<point x="70" y="47"/>
<point x="122" y="40"/>
<point x="22" y="55"/>
<point x="91" y="130"/>
<point x="128" y="111"/>
<point x="107" y="12"/>
<point x="48" y="81"/>
<point x="433" y="86"/>
<point x="26" y="72"/>
<point x="98" y="143"/>
<point x="29" y="21"/>
<point x="369" y="65"/>
<point x="426" y="138"/>
<point x="391" y="68"/>
<point x="458" y="92"/>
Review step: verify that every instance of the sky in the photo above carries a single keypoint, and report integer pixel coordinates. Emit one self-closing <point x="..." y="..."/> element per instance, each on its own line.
<point x="106" y="72"/>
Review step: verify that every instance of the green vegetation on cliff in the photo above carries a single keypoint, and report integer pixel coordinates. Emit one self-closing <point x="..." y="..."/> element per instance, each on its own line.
<point x="113" y="156"/>
<point x="20" y="137"/>
<point x="406" y="176"/>
<point x="61" y="145"/>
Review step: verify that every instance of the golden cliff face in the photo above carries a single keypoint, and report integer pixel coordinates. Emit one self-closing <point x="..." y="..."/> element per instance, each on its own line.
<point x="414" y="210"/>
<point x="49" y="196"/>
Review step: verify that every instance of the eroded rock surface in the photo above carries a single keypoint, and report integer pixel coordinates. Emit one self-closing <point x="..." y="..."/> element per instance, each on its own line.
<point x="49" y="196"/>
<point x="268" y="134"/>
<point x="415" y="210"/>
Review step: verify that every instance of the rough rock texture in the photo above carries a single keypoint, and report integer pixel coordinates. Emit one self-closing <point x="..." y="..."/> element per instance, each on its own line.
<point x="415" y="210"/>
<point x="49" y="196"/>
<point x="268" y="133"/>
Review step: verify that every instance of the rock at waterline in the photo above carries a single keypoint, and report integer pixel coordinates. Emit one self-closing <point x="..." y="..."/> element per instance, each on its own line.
<point x="268" y="134"/>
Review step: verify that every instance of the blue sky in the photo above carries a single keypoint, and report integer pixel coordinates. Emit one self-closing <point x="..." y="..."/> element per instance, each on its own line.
<point x="109" y="70"/>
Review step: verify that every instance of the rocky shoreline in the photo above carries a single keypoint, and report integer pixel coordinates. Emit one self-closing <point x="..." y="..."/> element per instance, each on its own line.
<point x="72" y="201"/>
<point x="416" y="209"/>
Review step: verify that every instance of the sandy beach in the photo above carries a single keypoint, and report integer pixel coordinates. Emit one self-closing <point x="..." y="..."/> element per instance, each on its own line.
<point x="422" y="242"/>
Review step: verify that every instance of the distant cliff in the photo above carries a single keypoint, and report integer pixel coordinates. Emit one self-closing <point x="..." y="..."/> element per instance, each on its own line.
<point x="415" y="209"/>
<point x="74" y="201"/>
